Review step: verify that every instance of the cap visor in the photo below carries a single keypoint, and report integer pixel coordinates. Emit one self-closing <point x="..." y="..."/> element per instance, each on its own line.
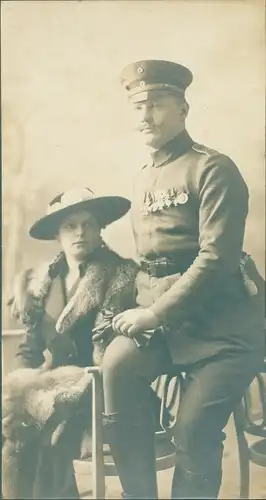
<point x="153" y="92"/>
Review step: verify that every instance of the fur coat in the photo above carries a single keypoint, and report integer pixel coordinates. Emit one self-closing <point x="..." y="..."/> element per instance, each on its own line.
<point x="41" y="397"/>
<point x="106" y="288"/>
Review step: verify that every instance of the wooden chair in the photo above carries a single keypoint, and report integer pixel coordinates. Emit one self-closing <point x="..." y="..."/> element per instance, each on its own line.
<point x="101" y="464"/>
<point x="170" y="389"/>
<point x="255" y="425"/>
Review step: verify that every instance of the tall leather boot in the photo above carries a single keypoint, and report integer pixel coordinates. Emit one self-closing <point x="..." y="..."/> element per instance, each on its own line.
<point x="132" y="445"/>
<point x="203" y="483"/>
<point x="188" y="485"/>
<point x="205" y="479"/>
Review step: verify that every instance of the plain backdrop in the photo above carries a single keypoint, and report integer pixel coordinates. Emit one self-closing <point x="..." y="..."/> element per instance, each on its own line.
<point x="64" y="115"/>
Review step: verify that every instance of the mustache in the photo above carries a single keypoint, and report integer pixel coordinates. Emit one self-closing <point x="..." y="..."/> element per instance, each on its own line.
<point x="145" y="126"/>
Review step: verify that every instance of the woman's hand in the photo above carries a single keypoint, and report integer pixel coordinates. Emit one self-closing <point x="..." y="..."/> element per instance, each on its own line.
<point x="135" y="321"/>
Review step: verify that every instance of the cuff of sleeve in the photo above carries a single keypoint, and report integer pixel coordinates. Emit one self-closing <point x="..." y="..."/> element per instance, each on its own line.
<point x="159" y="312"/>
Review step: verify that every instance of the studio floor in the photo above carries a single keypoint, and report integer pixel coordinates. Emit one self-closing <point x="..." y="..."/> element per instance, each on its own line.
<point x="230" y="486"/>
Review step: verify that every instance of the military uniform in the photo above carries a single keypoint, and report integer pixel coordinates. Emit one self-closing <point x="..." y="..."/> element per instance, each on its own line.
<point x="188" y="213"/>
<point x="189" y="210"/>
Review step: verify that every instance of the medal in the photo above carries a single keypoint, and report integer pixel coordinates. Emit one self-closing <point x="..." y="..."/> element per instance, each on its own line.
<point x="182" y="198"/>
<point x="158" y="200"/>
<point x="160" y="204"/>
<point x="148" y="202"/>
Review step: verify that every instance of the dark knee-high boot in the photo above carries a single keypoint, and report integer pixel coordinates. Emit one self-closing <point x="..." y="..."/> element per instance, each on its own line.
<point x="188" y="485"/>
<point x="203" y="482"/>
<point x="132" y="444"/>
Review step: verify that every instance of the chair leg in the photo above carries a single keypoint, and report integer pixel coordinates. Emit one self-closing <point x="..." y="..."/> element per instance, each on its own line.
<point x="243" y="451"/>
<point x="98" y="475"/>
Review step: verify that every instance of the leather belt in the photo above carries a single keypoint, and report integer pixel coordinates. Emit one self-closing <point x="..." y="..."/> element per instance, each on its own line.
<point x="159" y="268"/>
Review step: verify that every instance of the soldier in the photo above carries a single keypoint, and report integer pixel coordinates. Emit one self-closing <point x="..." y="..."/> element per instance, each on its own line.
<point x="203" y="313"/>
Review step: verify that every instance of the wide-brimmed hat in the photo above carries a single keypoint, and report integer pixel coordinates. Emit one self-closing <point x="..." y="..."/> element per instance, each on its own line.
<point x="106" y="210"/>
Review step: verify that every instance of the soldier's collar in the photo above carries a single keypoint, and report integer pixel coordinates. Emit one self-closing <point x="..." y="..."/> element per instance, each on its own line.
<point x="171" y="150"/>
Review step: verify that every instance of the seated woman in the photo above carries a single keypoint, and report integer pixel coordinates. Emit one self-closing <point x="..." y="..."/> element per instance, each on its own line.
<point x="59" y="304"/>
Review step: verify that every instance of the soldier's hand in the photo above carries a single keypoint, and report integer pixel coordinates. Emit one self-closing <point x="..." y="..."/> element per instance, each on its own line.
<point x="135" y="321"/>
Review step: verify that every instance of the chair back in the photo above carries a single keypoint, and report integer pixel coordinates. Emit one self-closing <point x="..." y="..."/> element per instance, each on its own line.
<point x="255" y="421"/>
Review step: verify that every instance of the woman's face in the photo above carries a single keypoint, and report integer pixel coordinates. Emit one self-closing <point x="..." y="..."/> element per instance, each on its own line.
<point x="79" y="235"/>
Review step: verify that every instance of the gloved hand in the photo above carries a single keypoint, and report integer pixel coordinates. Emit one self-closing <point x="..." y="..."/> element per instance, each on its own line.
<point x="104" y="329"/>
<point x="63" y="349"/>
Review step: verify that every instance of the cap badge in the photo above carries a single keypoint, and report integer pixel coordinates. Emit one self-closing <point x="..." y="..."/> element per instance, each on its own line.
<point x="140" y="70"/>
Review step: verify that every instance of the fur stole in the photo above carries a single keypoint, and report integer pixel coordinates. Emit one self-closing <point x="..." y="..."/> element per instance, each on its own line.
<point x="34" y="399"/>
<point x="108" y="284"/>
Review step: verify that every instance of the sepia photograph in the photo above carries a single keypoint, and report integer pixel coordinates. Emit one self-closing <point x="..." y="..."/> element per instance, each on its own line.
<point x="133" y="249"/>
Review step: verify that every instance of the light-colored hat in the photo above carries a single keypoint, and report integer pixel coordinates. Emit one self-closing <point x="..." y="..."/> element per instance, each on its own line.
<point x="106" y="210"/>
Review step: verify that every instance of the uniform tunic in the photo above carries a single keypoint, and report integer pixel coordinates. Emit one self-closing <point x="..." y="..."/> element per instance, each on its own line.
<point x="190" y="207"/>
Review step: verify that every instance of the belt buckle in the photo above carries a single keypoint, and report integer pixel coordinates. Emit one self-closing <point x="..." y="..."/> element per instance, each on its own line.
<point x="162" y="268"/>
<point x="159" y="269"/>
<point x="152" y="269"/>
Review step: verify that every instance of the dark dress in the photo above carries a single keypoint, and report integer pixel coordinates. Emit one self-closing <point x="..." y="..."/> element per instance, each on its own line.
<point x="46" y="470"/>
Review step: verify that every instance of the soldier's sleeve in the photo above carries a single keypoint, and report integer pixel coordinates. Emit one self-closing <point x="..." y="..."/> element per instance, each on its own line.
<point x="223" y="208"/>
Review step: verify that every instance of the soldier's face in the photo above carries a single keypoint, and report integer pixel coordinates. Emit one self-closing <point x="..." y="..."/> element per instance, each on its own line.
<point x="159" y="118"/>
<point x="79" y="235"/>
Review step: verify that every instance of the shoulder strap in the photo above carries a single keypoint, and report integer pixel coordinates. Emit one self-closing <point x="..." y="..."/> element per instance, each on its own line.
<point x="200" y="148"/>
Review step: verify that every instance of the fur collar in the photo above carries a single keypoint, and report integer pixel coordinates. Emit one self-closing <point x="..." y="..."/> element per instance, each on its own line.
<point x="108" y="283"/>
